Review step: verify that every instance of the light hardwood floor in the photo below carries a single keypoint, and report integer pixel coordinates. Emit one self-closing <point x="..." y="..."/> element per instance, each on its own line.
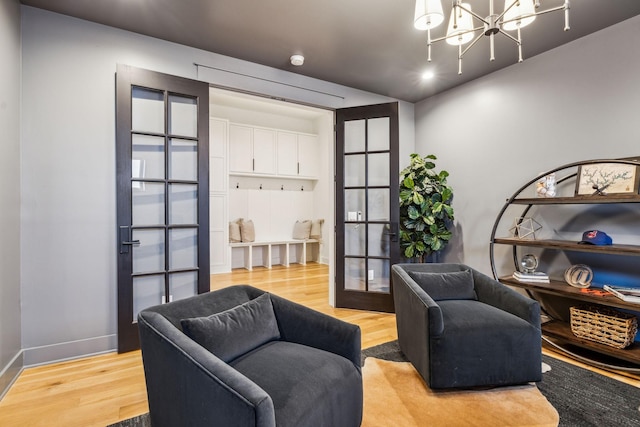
<point x="104" y="389"/>
<point x="101" y="390"/>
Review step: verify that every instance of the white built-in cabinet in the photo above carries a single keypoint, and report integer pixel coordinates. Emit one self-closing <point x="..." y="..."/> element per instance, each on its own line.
<point x="297" y="155"/>
<point x="263" y="151"/>
<point x="220" y="254"/>
<point x="251" y="150"/>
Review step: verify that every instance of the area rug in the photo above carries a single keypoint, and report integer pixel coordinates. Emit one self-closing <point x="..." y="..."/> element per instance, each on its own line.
<point x="582" y="398"/>
<point x="395" y="395"/>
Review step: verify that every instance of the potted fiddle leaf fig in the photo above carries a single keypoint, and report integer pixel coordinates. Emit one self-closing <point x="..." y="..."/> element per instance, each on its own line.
<point x="426" y="214"/>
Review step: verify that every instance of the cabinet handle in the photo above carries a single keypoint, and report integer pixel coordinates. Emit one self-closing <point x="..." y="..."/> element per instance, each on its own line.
<point x="298" y="168"/>
<point x="253" y="164"/>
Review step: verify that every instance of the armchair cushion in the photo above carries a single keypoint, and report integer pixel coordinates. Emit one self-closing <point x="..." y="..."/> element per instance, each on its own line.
<point x="236" y="331"/>
<point x="442" y="287"/>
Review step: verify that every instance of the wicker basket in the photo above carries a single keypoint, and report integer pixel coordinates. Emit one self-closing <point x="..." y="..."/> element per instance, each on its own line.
<point x="604" y="325"/>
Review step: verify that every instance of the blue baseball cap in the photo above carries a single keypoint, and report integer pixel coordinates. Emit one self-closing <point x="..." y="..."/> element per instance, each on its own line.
<point x="596" y="237"/>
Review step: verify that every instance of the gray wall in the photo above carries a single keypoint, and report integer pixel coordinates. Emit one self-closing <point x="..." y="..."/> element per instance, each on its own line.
<point x="68" y="149"/>
<point x="579" y="101"/>
<point x="10" y="356"/>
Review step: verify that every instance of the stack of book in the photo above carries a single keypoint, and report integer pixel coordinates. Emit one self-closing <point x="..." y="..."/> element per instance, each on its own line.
<point x="625" y="294"/>
<point x="535" y="277"/>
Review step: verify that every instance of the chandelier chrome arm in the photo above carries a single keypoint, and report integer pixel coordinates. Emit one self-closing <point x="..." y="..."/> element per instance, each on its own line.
<point x="460" y="33"/>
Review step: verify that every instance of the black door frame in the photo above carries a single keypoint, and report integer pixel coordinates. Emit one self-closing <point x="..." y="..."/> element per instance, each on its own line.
<point x="126" y="77"/>
<point x="363" y="300"/>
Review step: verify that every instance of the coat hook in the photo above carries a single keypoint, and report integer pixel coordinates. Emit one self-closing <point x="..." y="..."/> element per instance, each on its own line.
<point x="302" y="188"/>
<point x="261" y="186"/>
<point x="237" y="185"/>
<point x="282" y="187"/>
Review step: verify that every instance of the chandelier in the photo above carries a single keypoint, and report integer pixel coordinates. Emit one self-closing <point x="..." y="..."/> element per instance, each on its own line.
<point x="516" y="15"/>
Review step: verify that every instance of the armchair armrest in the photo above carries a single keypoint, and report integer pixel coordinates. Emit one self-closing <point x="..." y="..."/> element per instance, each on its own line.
<point x="498" y="295"/>
<point x="412" y="302"/>
<point x="219" y="395"/>
<point x="302" y="325"/>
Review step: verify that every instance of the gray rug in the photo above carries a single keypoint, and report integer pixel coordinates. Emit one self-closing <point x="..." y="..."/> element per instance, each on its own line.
<point x="581" y="397"/>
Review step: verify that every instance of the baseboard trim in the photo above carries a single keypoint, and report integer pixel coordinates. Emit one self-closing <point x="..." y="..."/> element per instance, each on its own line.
<point x="11" y="372"/>
<point x="70" y="350"/>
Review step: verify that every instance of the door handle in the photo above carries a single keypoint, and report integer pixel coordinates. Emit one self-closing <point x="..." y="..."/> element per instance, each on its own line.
<point x="125" y="239"/>
<point x="392" y="232"/>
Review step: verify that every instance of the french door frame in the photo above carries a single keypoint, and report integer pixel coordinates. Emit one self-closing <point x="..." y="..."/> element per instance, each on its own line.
<point x="126" y="78"/>
<point x="365" y="299"/>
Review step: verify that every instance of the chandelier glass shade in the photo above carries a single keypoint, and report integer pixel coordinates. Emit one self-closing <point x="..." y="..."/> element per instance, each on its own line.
<point x="516" y="15"/>
<point x="460" y="29"/>
<point x="428" y="14"/>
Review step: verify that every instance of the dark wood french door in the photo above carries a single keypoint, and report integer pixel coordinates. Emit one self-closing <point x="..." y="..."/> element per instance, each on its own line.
<point x="162" y="144"/>
<point x="367" y="205"/>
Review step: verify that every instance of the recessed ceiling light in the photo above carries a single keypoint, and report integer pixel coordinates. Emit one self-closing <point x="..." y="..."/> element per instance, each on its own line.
<point x="297" y="60"/>
<point x="428" y="75"/>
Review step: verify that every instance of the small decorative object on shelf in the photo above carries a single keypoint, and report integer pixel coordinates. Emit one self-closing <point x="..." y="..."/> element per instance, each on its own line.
<point x="625" y="294"/>
<point x="546" y="186"/>
<point x="604" y="325"/>
<point x="602" y="179"/>
<point x="535" y="277"/>
<point x="578" y="276"/>
<point x="525" y="228"/>
<point x="529" y="263"/>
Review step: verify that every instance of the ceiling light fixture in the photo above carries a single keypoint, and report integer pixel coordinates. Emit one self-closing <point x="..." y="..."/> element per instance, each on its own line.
<point x="297" y="60"/>
<point x="516" y="15"/>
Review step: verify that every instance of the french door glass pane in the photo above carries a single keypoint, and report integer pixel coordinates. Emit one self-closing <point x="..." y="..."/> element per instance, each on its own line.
<point x="378" y="240"/>
<point x="147" y="110"/>
<point x="354" y="167"/>
<point x="354" y="240"/>
<point x="183" y="285"/>
<point x="354" y="205"/>
<point x="147" y="157"/>
<point x="183" y="159"/>
<point x="378" y="135"/>
<point x="378" y="169"/>
<point x="183" y="204"/>
<point x="183" y="116"/>
<point x="148" y="256"/>
<point x="378" y="277"/>
<point x="354" y="136"/>
<point x="147" y="291"/>
<point x="183" y="248"/>
<point x="147" y="203"/>
<point x="354" y="278"/>
<point x="378" y="204"/>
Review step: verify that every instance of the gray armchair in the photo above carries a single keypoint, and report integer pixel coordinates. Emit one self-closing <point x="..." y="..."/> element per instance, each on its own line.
<point x="242" y="357"/>
<point x="461" y="329"/>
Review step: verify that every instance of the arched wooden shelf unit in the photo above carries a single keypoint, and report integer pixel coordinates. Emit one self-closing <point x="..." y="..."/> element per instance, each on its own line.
<point x="557" y="331"/>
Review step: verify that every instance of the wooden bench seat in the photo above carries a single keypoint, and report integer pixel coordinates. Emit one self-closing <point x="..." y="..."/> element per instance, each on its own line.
<point x="248" y="250"/>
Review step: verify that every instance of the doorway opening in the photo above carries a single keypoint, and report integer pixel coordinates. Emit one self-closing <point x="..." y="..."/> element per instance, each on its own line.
<point x="271" y="165"/>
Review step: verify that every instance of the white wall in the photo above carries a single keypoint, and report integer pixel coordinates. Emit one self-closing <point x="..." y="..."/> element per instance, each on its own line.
<point x="10" y="341"/>
<point x="579" y="101"/>
<point x="68" y="146"/>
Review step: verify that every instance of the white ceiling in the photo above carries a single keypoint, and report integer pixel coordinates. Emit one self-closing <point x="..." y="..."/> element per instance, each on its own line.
<point x="365" y="44"/>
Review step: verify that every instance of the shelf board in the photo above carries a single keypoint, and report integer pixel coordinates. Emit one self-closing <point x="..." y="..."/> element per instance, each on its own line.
<point x="560" y="288"/>
<point x="571" y="246"/>
<point x="578" y="200"/>
<point x="562" y="331"/>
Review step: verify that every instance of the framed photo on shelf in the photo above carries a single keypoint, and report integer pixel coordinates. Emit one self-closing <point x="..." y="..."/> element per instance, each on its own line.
<point x="607" y="178"/>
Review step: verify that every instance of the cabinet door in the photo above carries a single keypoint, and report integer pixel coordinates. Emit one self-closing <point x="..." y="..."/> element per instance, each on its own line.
<point x="308" y="155"/>
<point x="287" y="154"/>
<point x="264" y="149"/>
<point x="240" y="148"/>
